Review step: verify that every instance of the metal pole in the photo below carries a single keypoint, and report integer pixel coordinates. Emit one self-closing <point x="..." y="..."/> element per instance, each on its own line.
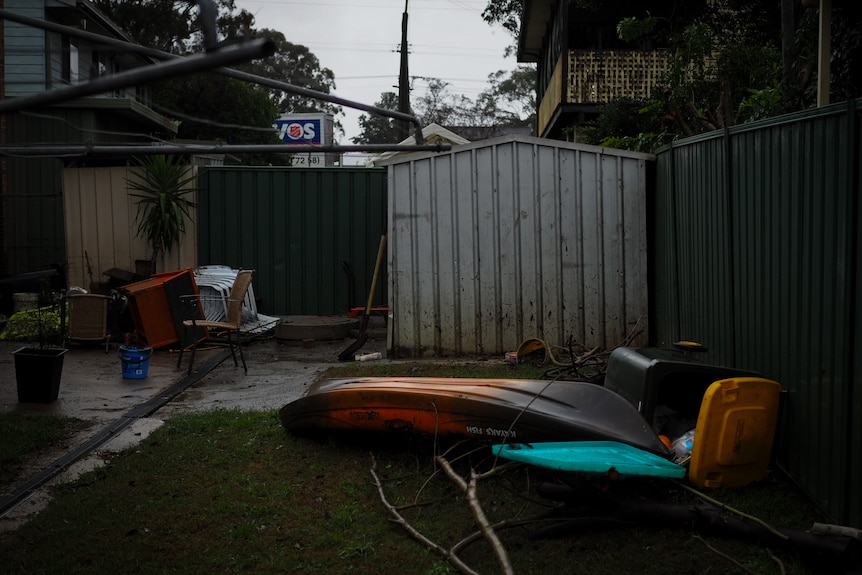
<point x="188" y="65"/>
<point x="236" y="74"/>
<point x="403" y="77"/>
<point x="90" y="150"/>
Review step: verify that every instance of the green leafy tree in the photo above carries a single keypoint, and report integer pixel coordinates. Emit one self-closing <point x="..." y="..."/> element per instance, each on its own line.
<point x="511" y="96"/>
<point x="159" y="24"/>
<point x="211" y="106"/>
<point x="438" y="105"/>
<point x="245" y="112"/>
<point x="508" y="101"/>
<point x="732" y="61"/>
<point x="506" y="13"/>
<point x="297" y="65"/>
<point x="375" y="129"/>
<point x="627" y="124"/>
<point x="846" y="50"/>
<point x="161" y="185"/>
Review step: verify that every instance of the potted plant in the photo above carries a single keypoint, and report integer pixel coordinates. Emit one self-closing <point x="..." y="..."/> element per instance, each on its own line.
<point x="161" y="185"/>
<point x="38" y="369"/>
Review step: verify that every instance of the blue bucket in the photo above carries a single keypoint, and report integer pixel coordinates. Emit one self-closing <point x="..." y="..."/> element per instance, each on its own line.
<point x="136" y="361"/>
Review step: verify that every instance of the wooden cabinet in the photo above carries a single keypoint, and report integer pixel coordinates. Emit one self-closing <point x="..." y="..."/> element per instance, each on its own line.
<point x="154" y="304"/>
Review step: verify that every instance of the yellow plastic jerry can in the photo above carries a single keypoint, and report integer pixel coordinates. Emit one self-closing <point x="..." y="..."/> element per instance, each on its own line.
<point x="734" y="433"/>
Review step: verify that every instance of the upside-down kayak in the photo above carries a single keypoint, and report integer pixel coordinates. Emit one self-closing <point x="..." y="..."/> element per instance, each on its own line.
<point x="502" y="410"/>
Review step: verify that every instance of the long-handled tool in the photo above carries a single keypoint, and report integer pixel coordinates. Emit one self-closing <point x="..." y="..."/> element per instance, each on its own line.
<point x="363" y="324"/>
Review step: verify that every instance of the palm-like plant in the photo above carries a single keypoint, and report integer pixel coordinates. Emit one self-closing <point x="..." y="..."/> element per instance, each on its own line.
<point x="161" y="184"/>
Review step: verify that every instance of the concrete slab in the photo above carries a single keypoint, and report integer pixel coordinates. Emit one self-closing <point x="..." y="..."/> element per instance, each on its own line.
<point x="315" y="328"/>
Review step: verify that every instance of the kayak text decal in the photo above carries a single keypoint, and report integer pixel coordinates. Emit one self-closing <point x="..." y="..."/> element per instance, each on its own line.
<point x="490" y="431"/>
<point x="364" y="415"/>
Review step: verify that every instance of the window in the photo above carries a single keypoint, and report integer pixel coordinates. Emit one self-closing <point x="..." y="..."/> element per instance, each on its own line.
<point x="71" y="72"/>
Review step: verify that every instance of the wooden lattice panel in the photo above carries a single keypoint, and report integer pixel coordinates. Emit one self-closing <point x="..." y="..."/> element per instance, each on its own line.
<point x="602" y="76"/>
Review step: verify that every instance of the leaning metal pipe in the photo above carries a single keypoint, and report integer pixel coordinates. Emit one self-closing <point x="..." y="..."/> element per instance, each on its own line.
<point x="236" y="74"/>
<point x="188" y="65"/>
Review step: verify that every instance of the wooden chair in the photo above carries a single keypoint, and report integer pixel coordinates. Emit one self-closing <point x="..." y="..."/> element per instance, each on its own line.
<point x="217" y="331"/>
<point x="88" y="319"/>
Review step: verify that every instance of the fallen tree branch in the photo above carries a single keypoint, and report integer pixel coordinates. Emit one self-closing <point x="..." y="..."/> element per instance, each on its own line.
<point x="723" y="554"/>
<point x="777" y="560"/>
<point x="781" y="536"/>
<point x="400" y="520"/>
<point x="469" y="488"/>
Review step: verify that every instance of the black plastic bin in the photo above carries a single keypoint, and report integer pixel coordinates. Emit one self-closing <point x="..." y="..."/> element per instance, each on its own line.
<point x="651" y="377"/>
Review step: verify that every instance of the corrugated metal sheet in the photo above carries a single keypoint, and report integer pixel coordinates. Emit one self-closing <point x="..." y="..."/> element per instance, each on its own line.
<point x="515" y="238"/>
<point x="101" y="232"/>
<point x="757" y="256"/>
<point x="300" y="228"/>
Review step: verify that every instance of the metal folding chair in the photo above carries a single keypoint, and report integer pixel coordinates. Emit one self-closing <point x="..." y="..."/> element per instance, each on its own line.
<point x="217" y="332"/>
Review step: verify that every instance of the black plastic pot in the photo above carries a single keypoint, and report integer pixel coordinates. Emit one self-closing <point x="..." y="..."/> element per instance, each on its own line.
<point x="38" y="371"/>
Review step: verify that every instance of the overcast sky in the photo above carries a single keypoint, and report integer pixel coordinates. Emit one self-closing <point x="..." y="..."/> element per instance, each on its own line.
<point x="359" y="41"/>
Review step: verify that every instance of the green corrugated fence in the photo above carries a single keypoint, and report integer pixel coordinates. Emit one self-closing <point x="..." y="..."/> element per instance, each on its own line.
<point x="756" y="254"/>
<point x="305" y="231"/>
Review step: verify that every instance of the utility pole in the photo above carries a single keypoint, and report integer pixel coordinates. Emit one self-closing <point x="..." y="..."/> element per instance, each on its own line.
<point x="404" y="80"/>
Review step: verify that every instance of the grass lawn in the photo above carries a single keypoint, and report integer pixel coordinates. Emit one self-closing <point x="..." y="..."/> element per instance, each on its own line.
<point x="232" y="492"/>
<point x="24" y="436"/>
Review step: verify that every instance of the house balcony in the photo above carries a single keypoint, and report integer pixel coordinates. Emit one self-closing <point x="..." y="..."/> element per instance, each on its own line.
<point x="583" y="80"/>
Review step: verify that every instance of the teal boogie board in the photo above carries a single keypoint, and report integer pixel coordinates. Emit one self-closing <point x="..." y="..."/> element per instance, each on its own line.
<point x="591" y="456"/>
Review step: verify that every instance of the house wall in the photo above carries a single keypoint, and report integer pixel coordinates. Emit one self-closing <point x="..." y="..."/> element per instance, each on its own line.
<point x="32" y="234"/>
<point x="101" y="230"/>
<point x="552" y="98"/>
<point x="24" y="50"/>
<point x="514" y="238"/>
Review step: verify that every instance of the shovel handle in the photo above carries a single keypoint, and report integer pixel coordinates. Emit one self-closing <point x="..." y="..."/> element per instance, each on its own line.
<point x="380" y="251"/>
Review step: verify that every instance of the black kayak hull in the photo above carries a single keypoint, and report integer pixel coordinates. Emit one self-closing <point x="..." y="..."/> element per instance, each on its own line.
<point x="499" y="410"/>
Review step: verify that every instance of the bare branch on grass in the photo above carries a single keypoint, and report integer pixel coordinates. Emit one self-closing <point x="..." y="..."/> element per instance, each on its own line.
<point x="469" y="488"/>
<point x="724" y="555"/>
<point x="781" y="536"/>
<point x="400" y="520"/>
<point x="777" y="560"/>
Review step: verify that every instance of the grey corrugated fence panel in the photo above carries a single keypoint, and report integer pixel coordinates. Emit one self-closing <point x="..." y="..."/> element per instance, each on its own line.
<point x="762" y="263"/>
<point x="300" y="229"/>
<point x="514" y="238"/>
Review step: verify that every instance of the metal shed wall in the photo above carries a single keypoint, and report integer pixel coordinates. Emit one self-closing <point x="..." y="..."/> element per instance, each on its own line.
<point x="757" y="255"/>
<point x="101" y="228"/>
<point x="514" y="238"/>
<point x="300" y="229"/>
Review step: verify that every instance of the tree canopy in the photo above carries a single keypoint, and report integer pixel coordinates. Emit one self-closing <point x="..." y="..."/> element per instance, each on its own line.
<point x="376" y="129"/>
<point x="509" y="101"/>
<point x="211" y="106"/>
<point x="732" y="61"/>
